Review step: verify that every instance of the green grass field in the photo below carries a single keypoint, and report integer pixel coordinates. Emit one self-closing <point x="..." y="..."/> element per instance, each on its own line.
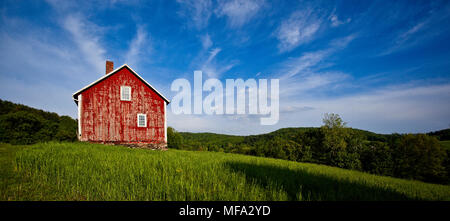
<point x="445" y="144"/>
<point x="82" y="171"/>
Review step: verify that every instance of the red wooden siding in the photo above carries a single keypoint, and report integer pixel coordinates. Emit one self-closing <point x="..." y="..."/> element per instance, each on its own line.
<point x="106" y="118"/>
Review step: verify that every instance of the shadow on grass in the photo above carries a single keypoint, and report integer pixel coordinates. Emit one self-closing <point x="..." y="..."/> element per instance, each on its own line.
<point x="303" y="185"/>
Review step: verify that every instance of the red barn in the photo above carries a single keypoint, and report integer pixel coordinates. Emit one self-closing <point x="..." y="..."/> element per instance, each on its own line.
<point x="122" y="108"/>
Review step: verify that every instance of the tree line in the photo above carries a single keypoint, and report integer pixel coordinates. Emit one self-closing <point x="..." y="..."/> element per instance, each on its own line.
<point x="20" y="124"/>
<point x="409" y="156"/>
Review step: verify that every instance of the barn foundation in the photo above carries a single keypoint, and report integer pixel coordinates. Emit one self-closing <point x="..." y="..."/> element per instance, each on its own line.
<point x="152" y="146"/>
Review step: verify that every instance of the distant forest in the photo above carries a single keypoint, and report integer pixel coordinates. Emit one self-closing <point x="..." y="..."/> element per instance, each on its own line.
<point x="20" y="124"/>
<point x="412" y="156"/>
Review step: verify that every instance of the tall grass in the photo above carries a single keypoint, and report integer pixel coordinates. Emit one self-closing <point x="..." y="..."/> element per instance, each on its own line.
<point x="445" y="144"/>
<point x="82" y="171"/>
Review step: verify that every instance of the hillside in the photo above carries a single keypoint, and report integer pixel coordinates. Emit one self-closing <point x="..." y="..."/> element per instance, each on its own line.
<point x="82" y="171"/>
<point x="20" y="124"/>
<point x="209" y="139"/>
<point x="441" y="134"/>
<point x="412" y="156"/>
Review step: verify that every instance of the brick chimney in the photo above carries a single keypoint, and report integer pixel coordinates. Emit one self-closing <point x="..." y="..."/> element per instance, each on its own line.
<point x="109" y="66"/>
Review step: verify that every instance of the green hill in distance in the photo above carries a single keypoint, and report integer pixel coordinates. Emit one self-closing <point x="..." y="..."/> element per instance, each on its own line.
<point x="20" y="124"/>
<point x="413" y="156"/>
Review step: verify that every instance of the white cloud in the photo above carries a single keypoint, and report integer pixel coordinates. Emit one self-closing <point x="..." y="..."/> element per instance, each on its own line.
<point x="212" y="68"/>
<point x="395" y="108"/>
<point x="138" y="47"/>
<point x="306" y="72"/>
<point x="405" y="39"/>
<point x="197" y="11"/>
<point x="239" y="12"/>
<point x="300" y="28"/>
<point x="412" y="31"/>
<point x="206" y="41"/>
<point x="302" y="64"/>
<point x="83" y="34"/>
<point x="312" y="83"/>
<point x="310" y="73"/>
<point x="335" y="21"/>
<point x="39" y="94"/>
<point x="212" y="54"/>
<point x="340" y="43"/>
<point x="229" y="124"/>
<point x="419" y="32"/>
<point x="64" y="6"/>
<point x="41" y="69"/>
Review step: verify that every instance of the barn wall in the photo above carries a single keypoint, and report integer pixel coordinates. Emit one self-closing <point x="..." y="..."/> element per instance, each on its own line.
<point x="106" y="118"/>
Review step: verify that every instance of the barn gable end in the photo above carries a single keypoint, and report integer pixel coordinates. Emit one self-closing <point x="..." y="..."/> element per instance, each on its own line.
<point x="105" y="117"/>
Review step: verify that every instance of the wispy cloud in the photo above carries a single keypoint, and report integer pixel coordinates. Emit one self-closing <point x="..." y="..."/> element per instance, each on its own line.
<point x="212" y="54"/>
<point x="405" y="39"/>
<point x="298" y="29"/>
<point x="138" y="47"/>
<point x="404" y="36"/>
<point x="313" y="83"/>
<point x="83" y="34"/>
<point x="50" y="52"/>
<point x="41" y="69"/>
<point x="419" y="32"/>
<point x="206" y="41"/>
<point x="397" y="107"/>
<point x="239" y="12"/>
<point x="400" y="108"/>
<point x="306" y="72"/>
<point x="335" y="21"/>
<point x="309" y="61"/>
<point x="302" y="64"/>
<point x="197" y="12"/>
<point x="214" y="69"/>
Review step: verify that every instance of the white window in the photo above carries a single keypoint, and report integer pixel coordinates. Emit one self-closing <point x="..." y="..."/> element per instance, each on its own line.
<point x="142" y="120"/>
<point x="125" y="93"/>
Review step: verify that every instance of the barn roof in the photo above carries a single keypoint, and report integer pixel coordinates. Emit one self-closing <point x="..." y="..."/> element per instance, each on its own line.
<point x="113" y="72"/>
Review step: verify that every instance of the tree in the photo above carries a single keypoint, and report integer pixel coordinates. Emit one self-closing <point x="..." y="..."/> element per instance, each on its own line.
<point x="67" y="128"/>
<point x="331" y="120"/>
<point x="419" y="157"/>
<point x="174" y="139"/>
<point x="340" y="144"/>
<point x="20" y="124"/>
<point x="376" y="158"/>
<point x="20" y="127"/>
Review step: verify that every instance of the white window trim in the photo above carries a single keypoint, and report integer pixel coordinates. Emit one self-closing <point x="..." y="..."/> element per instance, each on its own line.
<point x="145" y="117"/>
<point x="121" y="93"/>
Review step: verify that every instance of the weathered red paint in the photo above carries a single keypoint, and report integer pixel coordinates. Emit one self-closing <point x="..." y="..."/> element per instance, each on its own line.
<point x="107" y="118"/>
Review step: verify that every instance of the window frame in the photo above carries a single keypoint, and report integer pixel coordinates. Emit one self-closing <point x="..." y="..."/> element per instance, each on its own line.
<point x="121" y="93"/>
<point x="145" y="120"/>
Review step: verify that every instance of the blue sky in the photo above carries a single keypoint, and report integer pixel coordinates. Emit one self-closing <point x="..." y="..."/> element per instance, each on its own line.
<point x="384" y="66"/>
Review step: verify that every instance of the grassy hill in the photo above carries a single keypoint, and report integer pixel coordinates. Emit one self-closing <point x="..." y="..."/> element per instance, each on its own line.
<point x="445" y="144"/>
<point x="20" y="124"/>
<point x="412" y="156"/>
<point x="82" y="171"/>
